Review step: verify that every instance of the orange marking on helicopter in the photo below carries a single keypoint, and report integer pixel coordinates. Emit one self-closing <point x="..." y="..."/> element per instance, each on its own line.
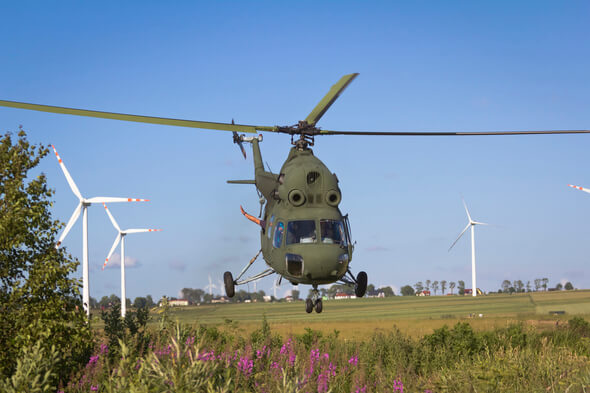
<point x="249" y="217"/>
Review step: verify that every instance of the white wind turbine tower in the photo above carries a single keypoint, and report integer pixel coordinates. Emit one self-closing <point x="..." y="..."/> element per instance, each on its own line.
<point x="210" y="286"/>
<point x="471" y="224"/>
<point x="83" y="206"/>
<point x="121" y="238"/>
<point x="274" y="288"/>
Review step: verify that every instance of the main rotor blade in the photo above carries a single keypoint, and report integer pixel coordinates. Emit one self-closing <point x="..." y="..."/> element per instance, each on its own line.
<point x="70" y="223"/>
<point x="326" y="102"/>
<point x="137" y="118"/>
<point x="115" y="244"/>
<point x="579" y="188"/>
<point x="448" y="133"/>
<point x="461" y="234"/>
<point x="67" y="174"/>
<point x="111" y="217"/>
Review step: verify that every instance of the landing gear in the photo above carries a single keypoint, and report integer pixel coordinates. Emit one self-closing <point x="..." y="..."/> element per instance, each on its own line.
<point x="314" y="302"/>
<point x="361" y="284"/>
<point x="228" y="280"/>
<point x="318" y="306"/>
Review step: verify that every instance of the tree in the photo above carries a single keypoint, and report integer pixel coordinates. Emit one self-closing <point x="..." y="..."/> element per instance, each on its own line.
<point x="518" y="286"/>
<point x="452" y="286"/>
<point x="419" y="287"/>
<point x="461" y="287"/>
<point x="407" y="290"/>
<point x="428" y="285"/>
<point x="568" y="286"/>
<point x="537" y="284"/>
<point x="443" y="286"/>
<point x="40" y="304"/>
<point x="559" y="286"/>
<point x="545" y="282"/>
<point x="435" y="286"/>
<point x="387" y="291"/>
<point x="506" y="286"/>
<point x="192" y="295"/>
<point x="149" y="301"/>
<point x="528" y="286"/>
<point x="295" y="294"/>
<point x="140" y="302"/>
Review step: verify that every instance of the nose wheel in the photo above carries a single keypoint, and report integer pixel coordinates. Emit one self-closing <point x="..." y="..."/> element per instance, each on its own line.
<point x="314" y="302"/>
<point x="361" y="284"/>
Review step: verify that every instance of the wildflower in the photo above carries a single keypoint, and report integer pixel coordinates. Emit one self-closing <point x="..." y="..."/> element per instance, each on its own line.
<point x="94" y="388"/>
<point x="292" y="358"/>
<point x="92" y="361"/>
<point x="353" y="360"/>
<point x="245" y="365"/>
<point x="361" y="390"/>
<point x="332" y="370"/>
<point x="315" y="355"/>
<point x="189" y="341"/>
<point x="398" y="386"/>
<point x="326" y="356"/>
<point x="322" y="383"/>
<point x="104" y="348"/>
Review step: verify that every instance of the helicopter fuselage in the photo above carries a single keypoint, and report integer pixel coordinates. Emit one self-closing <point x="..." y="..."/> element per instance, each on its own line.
<point x="304" y="236"/>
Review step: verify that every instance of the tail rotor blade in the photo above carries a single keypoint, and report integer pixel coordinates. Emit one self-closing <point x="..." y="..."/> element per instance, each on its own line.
<point x="238" y="140"/>
<point x="68" y="176"/>
<point x="115" y="244"/>
<point x="111" y="217"/>
<point x="459" y="237"/>
<point x="70" y="224"/>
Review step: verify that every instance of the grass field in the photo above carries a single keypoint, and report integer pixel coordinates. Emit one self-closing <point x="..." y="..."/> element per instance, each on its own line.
<point x="415" y="316"/>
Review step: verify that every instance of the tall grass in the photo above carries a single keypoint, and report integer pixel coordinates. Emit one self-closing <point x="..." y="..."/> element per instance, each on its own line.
<point x="182" y="358"/>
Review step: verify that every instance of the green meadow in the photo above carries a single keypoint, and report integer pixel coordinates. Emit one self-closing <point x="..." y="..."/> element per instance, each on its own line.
<point x="414" y="316"/>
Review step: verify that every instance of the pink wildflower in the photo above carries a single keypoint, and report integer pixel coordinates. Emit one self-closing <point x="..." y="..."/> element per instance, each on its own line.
<point x="353" y="360"/>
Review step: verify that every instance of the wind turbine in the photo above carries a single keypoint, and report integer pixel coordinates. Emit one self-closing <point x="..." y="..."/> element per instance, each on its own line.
<point x="579" y="188"/>
<point x="210" y="286"/>
<point x="274" y="288"/>
<point x="121" y="238"/>
<point x="83" y="206"/>
<point x="471" y="224"/>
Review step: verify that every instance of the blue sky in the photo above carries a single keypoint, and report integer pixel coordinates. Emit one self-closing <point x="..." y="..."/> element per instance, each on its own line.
<point x="424" y="66"/>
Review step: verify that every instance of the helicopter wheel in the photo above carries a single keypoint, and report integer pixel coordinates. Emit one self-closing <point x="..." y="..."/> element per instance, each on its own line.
<point x="228" y="280"/>
<point x="308" y="305"/>
<point x="319" y="306"/>
<point x="361" y="284"/>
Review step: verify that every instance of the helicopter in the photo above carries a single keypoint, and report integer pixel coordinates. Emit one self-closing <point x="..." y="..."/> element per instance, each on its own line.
<point x="304" y="236"/>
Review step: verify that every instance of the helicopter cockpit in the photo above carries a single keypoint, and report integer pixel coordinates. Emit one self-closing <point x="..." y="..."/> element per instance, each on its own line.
<point x="301" y="231"/>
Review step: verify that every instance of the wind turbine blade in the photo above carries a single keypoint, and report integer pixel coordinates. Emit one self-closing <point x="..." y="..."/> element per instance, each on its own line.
<point x="467" y="211"/>
<point x="114" y="199"/>
<point x="480" y="223"/>
<point x="579" y="188"/>
<point x="141" y="230"/>
<point x="70" y="223"/>
<point x="115" y="244"/>
<point x="68" y="176"/>
<point x="112" y="218"/>
<point x="461" y="234"/>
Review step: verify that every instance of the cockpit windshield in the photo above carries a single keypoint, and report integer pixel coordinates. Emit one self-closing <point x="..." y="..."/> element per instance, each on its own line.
<point x="302" y="231"/>
<point x="332" y="232"/>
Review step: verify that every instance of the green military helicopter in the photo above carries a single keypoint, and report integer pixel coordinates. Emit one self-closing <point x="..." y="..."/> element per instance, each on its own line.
<point x="304" y="236"/>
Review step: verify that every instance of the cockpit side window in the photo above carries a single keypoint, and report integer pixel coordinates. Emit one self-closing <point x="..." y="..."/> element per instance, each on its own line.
<point x="301" y="231"/>
<point x="333" y="232"/>
<point x="279" y="232"/>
